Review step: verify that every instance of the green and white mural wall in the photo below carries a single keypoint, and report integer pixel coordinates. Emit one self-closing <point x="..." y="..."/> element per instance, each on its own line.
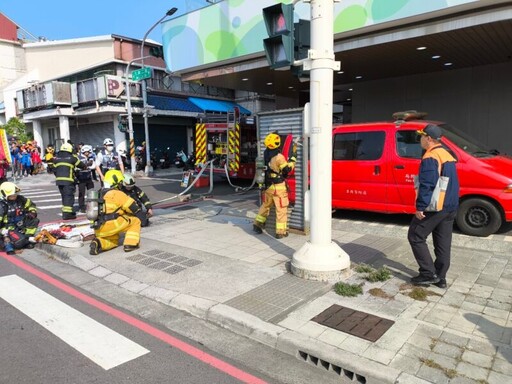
<point x="235" y="28"/>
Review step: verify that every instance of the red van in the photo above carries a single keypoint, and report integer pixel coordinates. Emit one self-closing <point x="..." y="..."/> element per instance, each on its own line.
<point x="374" y="164"/>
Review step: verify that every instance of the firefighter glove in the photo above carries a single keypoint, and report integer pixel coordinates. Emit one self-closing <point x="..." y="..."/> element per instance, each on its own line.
<point x="141" y="215"/>
<point x="32" y="215"/>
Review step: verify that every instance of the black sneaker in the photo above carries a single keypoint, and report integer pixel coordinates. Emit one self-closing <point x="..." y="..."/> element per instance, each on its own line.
<point x="257" y="229"/>
<point x="129" y="248"/>
<point x="441" y="283"/>
<point x="424" y="280"/>
<point x="281" y="235"/>
<point x="95" y="247"/>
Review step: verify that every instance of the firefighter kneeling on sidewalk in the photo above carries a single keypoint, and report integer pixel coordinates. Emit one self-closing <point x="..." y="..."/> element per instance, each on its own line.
<point x="18" y="219"/>
<point x="276" y="192"/>
<point x="116" y="213"/>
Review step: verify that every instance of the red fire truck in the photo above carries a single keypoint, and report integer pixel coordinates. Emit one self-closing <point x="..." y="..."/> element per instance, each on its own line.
<point x="229" y="141"/>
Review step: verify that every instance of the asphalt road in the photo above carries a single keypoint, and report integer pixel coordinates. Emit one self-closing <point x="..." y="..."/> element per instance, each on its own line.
<point x="55" y="332"/>
<point x="159" y="188"/>
<point x="32" y="354"/>
<point x="165" y="188"/>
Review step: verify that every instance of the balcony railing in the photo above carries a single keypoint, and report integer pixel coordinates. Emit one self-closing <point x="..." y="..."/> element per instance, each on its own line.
<point x="107" y="88"/>
<point x="44" y="95"/>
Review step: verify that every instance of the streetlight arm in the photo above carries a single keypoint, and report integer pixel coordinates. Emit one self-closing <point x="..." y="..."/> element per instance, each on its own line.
<point x="168" y="13"/>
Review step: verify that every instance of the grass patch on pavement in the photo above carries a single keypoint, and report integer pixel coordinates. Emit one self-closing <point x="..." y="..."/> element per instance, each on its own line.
<point x="381" y="274"/>
<point x="373" y="275"/>
<point x="350" y="290"/>
<point x="377" y="292"/>
<point x="364" y="268"/>
<point x="450" y="373"/>
<point x="416" y="292"/>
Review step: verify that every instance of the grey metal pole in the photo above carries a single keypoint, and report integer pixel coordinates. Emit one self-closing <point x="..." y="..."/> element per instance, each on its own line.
<point x="148" y="169"/>
<point x="133" y="165"/>
<point x="321" y="258"/>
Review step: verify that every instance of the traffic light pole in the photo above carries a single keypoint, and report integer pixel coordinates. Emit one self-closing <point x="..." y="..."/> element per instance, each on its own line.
<point x="148" y="168"/>
<point x="133" y="165"/>
<point x="320" y="258"/>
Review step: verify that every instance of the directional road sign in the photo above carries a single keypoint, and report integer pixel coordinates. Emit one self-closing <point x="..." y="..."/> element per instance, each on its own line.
<point x="143" y="73"/>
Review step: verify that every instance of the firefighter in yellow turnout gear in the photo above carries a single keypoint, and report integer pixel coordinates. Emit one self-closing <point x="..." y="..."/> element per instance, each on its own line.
<point x="276" y="192"/>
<point x="118" y="213"/>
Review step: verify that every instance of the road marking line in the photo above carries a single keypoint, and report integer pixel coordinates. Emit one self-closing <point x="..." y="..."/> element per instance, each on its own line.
<point x="100" y="344"/>
<point x="189" y="349"/>
<point x="45" y="201"/>
<point x="43" y="192"/>
<point x="49" y="206"/>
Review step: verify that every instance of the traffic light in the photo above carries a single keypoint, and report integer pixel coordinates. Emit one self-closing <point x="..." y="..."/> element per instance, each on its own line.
<point x="279" y="45"/>
<point x="122" y="122"/>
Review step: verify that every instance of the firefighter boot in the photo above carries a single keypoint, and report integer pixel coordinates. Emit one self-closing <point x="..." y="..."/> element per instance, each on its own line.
<point x="129" y="248"/>
<point x="257" y="229"/>
<point x="95" y="247"/>
<point x="68" y="215"/>
<point x="281" y="235"/>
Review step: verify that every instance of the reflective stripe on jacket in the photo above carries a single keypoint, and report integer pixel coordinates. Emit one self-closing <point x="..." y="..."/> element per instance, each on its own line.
<point x="65" y="164"/>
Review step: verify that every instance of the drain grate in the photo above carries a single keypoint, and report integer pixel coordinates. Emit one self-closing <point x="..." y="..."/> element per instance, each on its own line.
<point x="136" y="258"/>
<point x="164" y="261"/>
<point x="191" y="262"/>
<point x="152" y="252"/>
<point x="330" y="367"/>
<point x="174" y="269"/>
<point x="178" y="259"/>
<point x="356" y="323"/>
<point x="160" y="265"/>
<point x="165" y="255"/>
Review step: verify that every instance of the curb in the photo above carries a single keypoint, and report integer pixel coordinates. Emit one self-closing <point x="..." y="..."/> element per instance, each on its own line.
<point x="314" y="352"/>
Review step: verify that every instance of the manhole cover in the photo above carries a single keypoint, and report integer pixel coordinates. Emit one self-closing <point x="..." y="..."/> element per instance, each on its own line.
<point x="356" y="323"/>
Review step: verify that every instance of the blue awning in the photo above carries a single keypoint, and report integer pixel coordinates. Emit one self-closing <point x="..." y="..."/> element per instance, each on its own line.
<point x="212" y="105"/>
<point x="167" y="103"/>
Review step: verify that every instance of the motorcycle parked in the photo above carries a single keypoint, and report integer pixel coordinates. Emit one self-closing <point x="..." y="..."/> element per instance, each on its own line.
<point x="165" y="161"/>
<point x="184" y="161"/>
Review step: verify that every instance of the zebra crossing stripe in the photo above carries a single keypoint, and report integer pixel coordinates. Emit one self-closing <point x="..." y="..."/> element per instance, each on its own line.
<point x="45" y="201"/>
<point x="94" y="340"/>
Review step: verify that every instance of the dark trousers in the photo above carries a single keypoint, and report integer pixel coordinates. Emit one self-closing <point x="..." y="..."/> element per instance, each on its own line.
<point x="67" y="192"/>
<point x="440" y="224"/>
<point x="83" y="185"/>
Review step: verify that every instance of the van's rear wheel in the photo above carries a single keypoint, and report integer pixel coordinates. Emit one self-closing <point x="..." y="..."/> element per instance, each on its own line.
<point x="478" y="217"/>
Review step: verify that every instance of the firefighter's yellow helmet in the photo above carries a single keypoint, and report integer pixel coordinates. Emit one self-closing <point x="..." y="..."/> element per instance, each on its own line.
<point x="66" y="147"/>
<point x="272" y="141"/>
<point x="7" y="189"/>
<point x="113" y="178"/>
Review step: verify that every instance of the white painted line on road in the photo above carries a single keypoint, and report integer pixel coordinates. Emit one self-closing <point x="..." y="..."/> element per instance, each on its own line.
<point x="45" y="201"/>
<point x="42" y="193"/>
<point x="49" y="206"/>
<point x="100" y="344"/>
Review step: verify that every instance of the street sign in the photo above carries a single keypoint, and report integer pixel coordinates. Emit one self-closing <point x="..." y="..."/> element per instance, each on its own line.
<point x="143" y="73"/>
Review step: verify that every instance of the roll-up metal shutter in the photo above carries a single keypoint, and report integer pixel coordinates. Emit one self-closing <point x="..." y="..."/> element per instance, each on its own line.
<point x="92" y="134"/>
<point x="286" y="122"/>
